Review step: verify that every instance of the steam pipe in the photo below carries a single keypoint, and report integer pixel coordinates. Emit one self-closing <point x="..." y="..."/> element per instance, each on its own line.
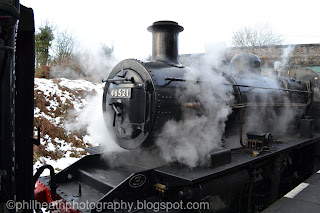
<point x="165" y="42"/>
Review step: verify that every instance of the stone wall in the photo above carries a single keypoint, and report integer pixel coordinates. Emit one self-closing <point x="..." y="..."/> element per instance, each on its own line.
<point x="295" y="55"/>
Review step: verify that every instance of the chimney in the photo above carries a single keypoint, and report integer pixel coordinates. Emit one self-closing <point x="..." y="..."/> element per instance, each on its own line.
<point x="165" y="41"/>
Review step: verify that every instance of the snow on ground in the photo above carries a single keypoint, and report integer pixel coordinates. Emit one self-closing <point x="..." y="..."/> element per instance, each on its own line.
<point x="59" y="102"/>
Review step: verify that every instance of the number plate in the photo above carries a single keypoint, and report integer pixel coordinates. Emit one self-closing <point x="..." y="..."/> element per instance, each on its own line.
<point x="120" y="93"/>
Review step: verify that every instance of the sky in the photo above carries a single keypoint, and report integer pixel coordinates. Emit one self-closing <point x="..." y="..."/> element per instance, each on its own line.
<point x="124" y="23"/>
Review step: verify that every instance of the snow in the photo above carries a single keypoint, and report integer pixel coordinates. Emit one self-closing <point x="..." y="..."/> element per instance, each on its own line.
<point x="59" y="164"/>
<point x="59" y="94"/>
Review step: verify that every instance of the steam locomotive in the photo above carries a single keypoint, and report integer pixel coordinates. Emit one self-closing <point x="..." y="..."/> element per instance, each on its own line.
<point x="140" y="98"/>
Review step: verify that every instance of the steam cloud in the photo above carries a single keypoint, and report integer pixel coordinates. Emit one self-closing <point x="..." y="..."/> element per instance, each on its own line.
<point x="93" y="65"/>
<point x="276" y="120"/>
<point x="92" y="118"/>
<point x="191" y="140"/>
<point x="284" y="58"/>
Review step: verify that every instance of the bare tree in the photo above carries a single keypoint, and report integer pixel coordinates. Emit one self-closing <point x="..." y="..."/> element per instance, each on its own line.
<point x="64" y="46"/>
<point x="256" y="35"/>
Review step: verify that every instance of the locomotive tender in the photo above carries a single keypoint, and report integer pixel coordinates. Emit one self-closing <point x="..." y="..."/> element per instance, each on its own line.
<point x="140" y="97"/>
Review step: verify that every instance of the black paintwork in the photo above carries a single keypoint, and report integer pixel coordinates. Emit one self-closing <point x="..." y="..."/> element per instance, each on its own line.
<point x="100" y="182"/>
<point x="151" y="93"/>
<point x="155" y="99"/>
<point x="16" y="106"/>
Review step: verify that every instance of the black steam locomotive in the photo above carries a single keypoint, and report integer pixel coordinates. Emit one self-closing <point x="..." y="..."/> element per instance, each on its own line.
<point x="139" y="100"/>
<point x="141" y="97"/>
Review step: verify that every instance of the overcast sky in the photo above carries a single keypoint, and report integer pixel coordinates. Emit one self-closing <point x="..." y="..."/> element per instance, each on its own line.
<point x="125" y="22"/>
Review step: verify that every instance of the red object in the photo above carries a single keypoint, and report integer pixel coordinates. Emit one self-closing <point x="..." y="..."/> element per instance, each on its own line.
<point x="42" y="194"/>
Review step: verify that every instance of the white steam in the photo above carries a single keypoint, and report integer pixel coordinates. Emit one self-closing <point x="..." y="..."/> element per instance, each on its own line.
<point x="271" y="110"/>
<point x="279" y="121"/>
<point x="284" y="58"/>
<point x="97" y="64"/>
<point x="91" y="119"/>
<point x="191" y="140"/>
<point x="94" y="65"/>
<point x="58" y="71"/>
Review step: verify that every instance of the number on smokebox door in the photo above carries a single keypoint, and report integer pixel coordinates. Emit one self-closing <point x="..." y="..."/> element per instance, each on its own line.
<point x="120" y="93"/>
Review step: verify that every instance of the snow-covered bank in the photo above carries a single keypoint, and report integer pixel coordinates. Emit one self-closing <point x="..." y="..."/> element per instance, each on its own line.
<point x="58" y="104"/>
